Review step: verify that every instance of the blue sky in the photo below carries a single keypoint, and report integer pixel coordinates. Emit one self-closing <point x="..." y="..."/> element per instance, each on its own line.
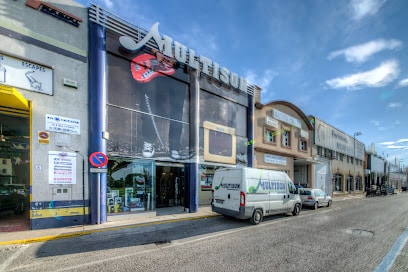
<point x="345" y="62"/>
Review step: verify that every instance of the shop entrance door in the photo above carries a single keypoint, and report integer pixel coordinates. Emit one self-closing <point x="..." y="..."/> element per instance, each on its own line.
<point x="14" y="172"/>
<point x="170" y="182"/>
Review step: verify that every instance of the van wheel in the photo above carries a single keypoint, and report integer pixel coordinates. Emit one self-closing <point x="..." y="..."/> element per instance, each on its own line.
<point x="256" y="217"/>
<point x="329" y="203"/>
<point x="296" y="210"/>
<point x="315" y="206"/>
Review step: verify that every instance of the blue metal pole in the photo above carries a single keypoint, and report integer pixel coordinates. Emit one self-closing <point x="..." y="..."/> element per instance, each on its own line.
<point x="97" y="117"/>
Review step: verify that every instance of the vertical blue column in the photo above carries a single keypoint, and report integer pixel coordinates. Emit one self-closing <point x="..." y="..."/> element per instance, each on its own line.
<point x="250" y="130"/>
<point x="97" y="116"/>
<point x="193" y="187"/>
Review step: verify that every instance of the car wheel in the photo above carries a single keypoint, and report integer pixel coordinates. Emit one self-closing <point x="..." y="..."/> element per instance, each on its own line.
<point x="20" y="207"/>
<point x="315" y="206"/>
<point x="296" y="210"/>
<point x="329" y="203"/>
<point x="256" y="217"/>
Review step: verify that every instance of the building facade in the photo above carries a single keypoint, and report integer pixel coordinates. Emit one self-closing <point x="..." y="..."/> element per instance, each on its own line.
<point x="283" y="141"/>
<point x="165" y="116"/>
<point x="343" y="153"/>
<point x="43" y="108"/>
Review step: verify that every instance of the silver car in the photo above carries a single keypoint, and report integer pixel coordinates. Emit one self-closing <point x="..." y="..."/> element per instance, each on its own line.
<point x="314" y="198"/>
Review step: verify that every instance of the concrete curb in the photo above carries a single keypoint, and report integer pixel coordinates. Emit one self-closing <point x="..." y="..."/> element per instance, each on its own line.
<point x="64" y="233"/>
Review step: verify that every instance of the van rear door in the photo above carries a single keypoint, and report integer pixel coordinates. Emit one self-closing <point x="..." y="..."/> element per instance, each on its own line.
<point x="226" y="187"/>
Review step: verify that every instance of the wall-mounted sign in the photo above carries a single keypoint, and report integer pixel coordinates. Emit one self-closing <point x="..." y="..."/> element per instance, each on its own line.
<point x="187" y="56"/>
<point x="329" y="137"/>
<point x="43" y="137"/>
<point x="286" y="118"/>
<point x="62" y="124"/>
<point x="274" y="159"/>
<point x="25" y="75"/>
<point x="62" y="167"/>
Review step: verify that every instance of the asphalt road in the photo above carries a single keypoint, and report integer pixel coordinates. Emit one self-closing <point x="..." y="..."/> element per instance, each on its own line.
<point x="351" y="235"/>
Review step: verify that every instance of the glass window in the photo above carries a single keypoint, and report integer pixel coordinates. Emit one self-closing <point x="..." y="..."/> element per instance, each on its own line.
<point x="286" y="138"/>
<point x="269" y="136"/>
<point x="130" y="186"/>
<point x="206" y="173"/>
<point x="338" y="182"/>
<point x="358" y="183"/>
<point x="302" y="145"/>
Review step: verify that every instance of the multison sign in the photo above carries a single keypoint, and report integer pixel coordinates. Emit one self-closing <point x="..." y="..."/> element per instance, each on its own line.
<point x="187" y="56"/>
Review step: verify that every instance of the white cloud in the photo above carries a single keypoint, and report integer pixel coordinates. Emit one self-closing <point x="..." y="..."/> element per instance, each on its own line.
<point x="386" y="143"/>
<point x="377" y="77"/>
<point x="360" y="53"/>
<point x="108" y="3"/>
<point x="394" y="105"/>
<point x="403" y="83"/>
<point x="363" y="8"/>
<point x="262" y="81"/>
<point x="402" y="141"/>
<point x="374" y="122"/>
<point x="397" y="147"/>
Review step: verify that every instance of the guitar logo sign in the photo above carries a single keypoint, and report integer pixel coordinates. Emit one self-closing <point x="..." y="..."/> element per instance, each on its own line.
<point x="146" y="66"/>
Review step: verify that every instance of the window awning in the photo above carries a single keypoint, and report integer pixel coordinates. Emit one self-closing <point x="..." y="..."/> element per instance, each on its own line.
<point x="11" y="98"/>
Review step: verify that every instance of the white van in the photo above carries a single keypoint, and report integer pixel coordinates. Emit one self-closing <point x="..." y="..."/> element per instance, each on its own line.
<point x="253" y="193"/>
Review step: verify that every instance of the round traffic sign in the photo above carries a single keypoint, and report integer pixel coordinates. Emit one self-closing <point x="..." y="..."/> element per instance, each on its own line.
<point x="98" y="159"/>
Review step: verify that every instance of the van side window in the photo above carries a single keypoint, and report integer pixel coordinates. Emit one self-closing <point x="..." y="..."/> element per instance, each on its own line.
<point x="292" y="188"/>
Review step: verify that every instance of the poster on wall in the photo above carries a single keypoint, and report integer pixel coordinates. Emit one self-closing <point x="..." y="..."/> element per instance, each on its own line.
<point x="148" y="114"/>
<point x="62" y="167"/>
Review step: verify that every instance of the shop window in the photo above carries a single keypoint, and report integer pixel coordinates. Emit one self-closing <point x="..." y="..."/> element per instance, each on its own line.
<point x="285" y="138"/>
<point x="338" y="182"/>
<point x="349" y="183"/>
<point x="319" y="150"/>
<point x="130" y="186"/>
<point x="269" y="136"/>
<point x="206" y="176"/>
<point x="358" y="183"/>
<point x="302" y="145"/>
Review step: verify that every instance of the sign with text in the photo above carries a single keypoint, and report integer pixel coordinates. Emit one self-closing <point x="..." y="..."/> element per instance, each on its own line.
<point x="25" y="74"/>
<point x="62" y="124"/>
<point x="62" y="167"/>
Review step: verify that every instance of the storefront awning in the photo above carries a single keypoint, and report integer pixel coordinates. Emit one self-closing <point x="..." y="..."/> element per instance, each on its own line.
<point x="11" y="98"/>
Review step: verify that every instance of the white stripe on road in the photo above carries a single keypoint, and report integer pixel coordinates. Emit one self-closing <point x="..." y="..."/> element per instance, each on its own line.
<point x="10" y="260"/>
<point x="392" y="255"/>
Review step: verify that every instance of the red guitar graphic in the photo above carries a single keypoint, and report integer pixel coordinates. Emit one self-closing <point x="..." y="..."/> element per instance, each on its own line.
<point x="145" y="66"/>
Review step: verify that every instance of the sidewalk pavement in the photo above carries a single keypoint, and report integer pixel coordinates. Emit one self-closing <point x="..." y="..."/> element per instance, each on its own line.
<point x="161" y="216"/>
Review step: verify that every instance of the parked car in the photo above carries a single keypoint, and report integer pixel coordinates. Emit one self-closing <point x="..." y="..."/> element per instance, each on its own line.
<point x="389" y="189"/>
<point x="11" y="201"/>
<point x="314" y="198"/>
<point x="19" y="188"/>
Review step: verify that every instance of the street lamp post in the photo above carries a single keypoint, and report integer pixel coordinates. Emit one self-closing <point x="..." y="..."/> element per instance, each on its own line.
<point x="355" y="160"/>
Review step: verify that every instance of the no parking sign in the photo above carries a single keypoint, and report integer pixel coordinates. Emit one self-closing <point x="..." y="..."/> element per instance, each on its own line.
<point x="98" y="159"/>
